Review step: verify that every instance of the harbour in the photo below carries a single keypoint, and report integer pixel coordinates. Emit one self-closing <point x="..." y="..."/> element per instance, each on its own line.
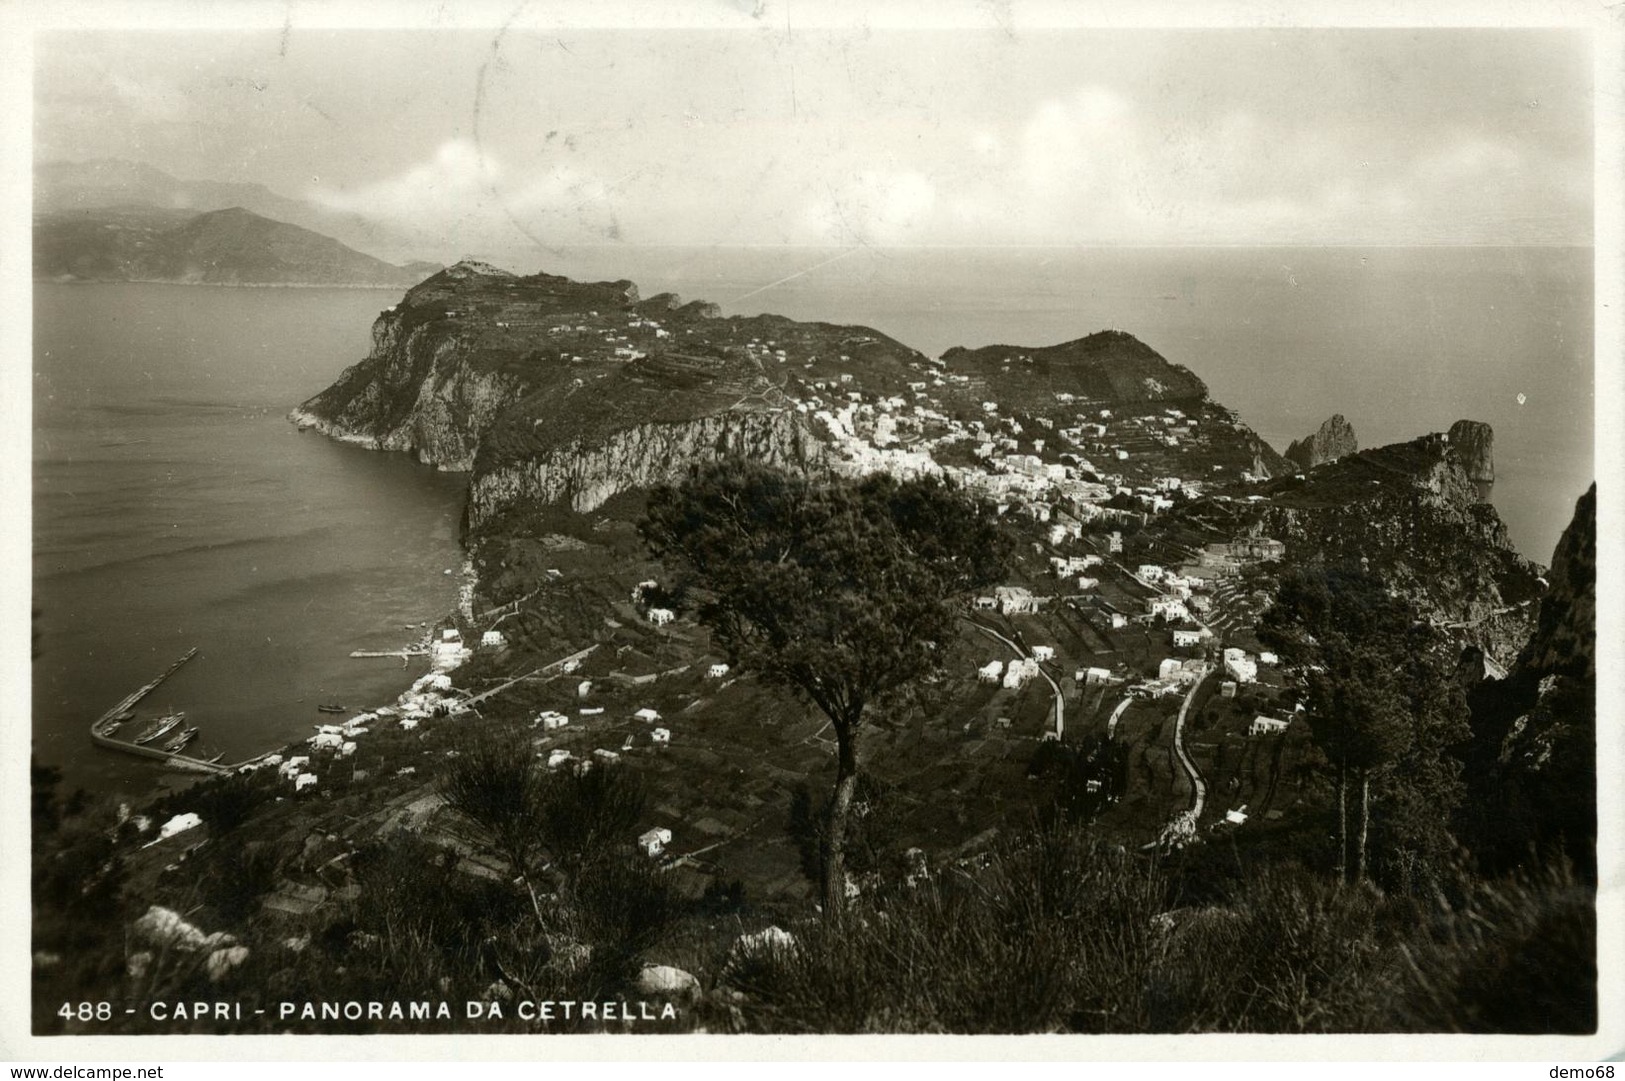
<point x="102" y="727"/>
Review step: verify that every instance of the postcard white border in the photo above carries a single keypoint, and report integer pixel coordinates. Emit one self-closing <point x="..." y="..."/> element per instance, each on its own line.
<point x="18" y="22"/>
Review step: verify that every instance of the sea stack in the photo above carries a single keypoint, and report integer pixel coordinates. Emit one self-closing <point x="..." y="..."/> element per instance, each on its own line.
<point x="1473" y="443"/>
<point x="1331" y="441"/>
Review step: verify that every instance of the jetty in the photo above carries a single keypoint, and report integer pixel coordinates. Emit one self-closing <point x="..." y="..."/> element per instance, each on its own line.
<point x="411" y="652"/>
<point x="174" y="760"/>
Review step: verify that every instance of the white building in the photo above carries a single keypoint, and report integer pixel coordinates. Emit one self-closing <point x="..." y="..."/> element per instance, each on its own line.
<point x="1265" y="725"/>
<point x="492" y="640"/>
<point x="1239" y="666"/>
<point x="661" y="735"/>
<point x="1015" y="600"/>
<point x="661" y="616"/>
<point x="646" y="715"/>
<point x="1166" y="608"/>
<point x="991" y="672"/>
<point x="1019" y="672"/>
<point x="1191" y="636"/>
<point x="655" y="841"/>
<point x="1094" y="676"/>
<point x="1043" y="653"/>
<point x="558" y="757"/>
<point x="716" y="671"/>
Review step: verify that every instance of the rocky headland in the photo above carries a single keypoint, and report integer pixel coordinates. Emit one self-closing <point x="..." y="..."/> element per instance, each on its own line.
<point x="1332" y="440"/>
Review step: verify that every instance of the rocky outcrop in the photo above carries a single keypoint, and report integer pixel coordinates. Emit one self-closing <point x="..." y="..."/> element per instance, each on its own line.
<point x="1334" y="439"/>
<point x="1565" y="638"/>
<point x="1473" y="444"/>
<point x="1411" y="513"/>
<point x="438" y="375"/>
<point x="1534" y="756"/>
<point x="585" y="475"/>
<point x="436" y="416"/>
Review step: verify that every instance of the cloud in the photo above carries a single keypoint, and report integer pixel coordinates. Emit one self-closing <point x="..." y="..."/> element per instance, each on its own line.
<point x="464" y="197"/>
<point x="457" y="175"/>
<point x="148" y="100"/>
<point x="872" y="207"/>
<point x="1088" y="165"/>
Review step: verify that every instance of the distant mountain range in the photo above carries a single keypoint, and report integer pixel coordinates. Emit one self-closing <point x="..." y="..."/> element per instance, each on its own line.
<point x="218" y="247"/>
<point x="114" y="220"/>
<point x="113" y="182"/>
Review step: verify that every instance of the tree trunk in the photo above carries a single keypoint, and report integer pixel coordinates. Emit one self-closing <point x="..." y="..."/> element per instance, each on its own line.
<point x="840" y="806"/>
<point x="1365" y="822"/>
<point x="1342" y="823"/>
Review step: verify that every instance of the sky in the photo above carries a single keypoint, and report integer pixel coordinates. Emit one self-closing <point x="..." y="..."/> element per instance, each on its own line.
<point x="774" y="136"/>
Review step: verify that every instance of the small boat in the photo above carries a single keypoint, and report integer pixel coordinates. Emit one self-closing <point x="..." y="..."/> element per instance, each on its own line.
<point x="330" y="707"/>
<point x="127" y="715"/>
<point x="160" y="726"/>
<point x="187" y="735"/>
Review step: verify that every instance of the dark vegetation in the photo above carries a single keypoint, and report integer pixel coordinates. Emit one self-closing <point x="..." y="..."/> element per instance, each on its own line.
<point x="843" y="592"/>
<point x="1421" y="884"/>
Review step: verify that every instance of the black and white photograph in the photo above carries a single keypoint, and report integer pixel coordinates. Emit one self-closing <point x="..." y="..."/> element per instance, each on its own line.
<point x="756" y="521"/>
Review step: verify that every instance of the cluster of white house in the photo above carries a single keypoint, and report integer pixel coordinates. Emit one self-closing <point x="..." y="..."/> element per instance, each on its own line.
<point x="871" y="433"/>
<point x="1015" y="675"/>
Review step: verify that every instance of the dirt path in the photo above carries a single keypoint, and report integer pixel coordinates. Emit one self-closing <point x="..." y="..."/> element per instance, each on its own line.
<point x="1198" y="786"/>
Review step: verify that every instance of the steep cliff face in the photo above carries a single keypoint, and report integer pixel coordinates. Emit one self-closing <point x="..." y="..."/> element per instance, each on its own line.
<point x="1534" y="759"/>
<point x="1334" y="439"/>
<point x="480" y="369"/>
<point x="444" y="365"/>
<point x="584" y="475"/>
<point x="1565" y="638"/>
<point x="1410" y="512"/>
<point x="1474" y="444"/>
<point x="416" y="393"/>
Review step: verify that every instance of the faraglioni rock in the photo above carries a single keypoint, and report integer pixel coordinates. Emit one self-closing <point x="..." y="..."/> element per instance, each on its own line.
<point x="1333" y="439"/>
<point x="1473" y="444"/>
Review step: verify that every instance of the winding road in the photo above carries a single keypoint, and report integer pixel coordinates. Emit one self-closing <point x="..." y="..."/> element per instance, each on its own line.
<point x="1111" y="723"/>
<point x="1198" y="786"/>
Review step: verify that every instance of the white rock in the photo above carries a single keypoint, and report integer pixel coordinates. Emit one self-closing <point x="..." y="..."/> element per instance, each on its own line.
<point x="770" y="940"/>
<point x="666" y="980"/>
<point x="223" y="961"/>
<point x="165" y="927"/>
<point x="179" y="824"/>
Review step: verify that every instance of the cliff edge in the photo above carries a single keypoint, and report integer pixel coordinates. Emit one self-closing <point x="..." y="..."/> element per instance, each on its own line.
<point x="1332" y="440"/>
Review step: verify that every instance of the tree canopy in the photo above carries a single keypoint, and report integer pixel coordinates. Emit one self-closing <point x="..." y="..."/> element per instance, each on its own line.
<point x="1379" y="708"/>
<point x="840" y="590"/>
<point x="843" y="591"/>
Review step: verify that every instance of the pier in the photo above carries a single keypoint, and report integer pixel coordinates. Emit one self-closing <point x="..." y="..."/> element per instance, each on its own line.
<point x="100" y="738"/>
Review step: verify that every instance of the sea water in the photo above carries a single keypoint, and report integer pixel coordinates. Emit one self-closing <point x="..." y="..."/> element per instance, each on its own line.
<point x="175" y="506"/>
